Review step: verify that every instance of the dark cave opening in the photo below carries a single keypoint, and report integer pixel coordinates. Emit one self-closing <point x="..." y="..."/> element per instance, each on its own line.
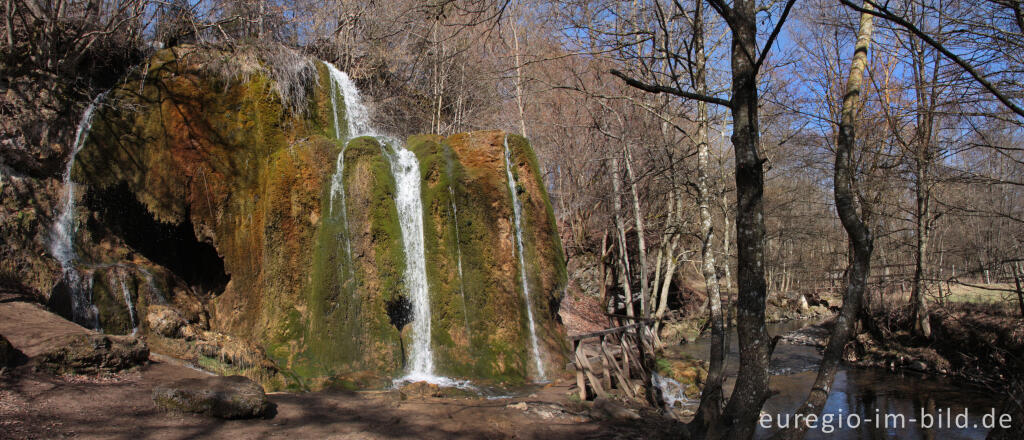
<point x="174" y="246"/>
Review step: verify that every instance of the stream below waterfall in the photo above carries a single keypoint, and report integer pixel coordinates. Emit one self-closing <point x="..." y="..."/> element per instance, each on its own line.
<point x="865" y="392"/>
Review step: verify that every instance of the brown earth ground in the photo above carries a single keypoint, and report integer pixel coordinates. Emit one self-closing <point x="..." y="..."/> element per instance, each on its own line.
<point x="35" y="404"/>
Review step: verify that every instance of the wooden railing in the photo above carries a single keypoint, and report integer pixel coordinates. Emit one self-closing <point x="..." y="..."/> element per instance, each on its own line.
<point x="618" y="358"/>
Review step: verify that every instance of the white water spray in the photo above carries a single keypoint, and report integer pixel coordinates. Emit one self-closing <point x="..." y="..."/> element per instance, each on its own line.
<point x="129" y="304"/>
<point x="339" y="80"/>
<point x="63" y="233"/>
<point x="517" y="210"/>
<point x="405" y="169"/>
<point x="672" y="392"/>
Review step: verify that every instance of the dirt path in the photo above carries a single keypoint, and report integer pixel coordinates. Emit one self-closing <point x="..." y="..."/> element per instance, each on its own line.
<point x="39" y="405"/>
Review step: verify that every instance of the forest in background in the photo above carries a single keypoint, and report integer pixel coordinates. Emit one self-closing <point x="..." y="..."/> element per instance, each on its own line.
<point x="686" y="145"/>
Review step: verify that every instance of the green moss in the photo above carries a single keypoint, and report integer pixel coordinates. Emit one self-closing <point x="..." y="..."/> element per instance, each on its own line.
<point x="254" y="179"/>
<point x="108" y="298"/>
<point x="348" y="324"/>
<point x="542" y="243"/>
<point x="450" y="332"/>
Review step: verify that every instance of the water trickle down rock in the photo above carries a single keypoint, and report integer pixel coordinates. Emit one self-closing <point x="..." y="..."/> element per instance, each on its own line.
<point x="128" y="303"/>
<point x="517" y="209"/>
<point x="62" y="235"/>
<point x="405" y="170"/>
<point x="339" y="80"/>
<point x="458" y="251"/>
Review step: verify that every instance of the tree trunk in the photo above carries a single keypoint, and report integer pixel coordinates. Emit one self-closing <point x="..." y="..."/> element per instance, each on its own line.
<point x="711" y="399"/>
<point x="922" y="182"/>
<point x="641" y="243"/>
<point x="739" y="419"/>
<point x="620" y="230"/>
<point x="861" y="241"/>
<point x="519" y="76"/>
<point x="1017" y="275"/>
<point x="922" y="326"/>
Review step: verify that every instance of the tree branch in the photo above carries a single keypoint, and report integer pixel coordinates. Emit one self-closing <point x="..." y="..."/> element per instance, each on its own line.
<point x="656" y="88"/>
<point x="885" y="14"/>
<point x="774" y="35"/>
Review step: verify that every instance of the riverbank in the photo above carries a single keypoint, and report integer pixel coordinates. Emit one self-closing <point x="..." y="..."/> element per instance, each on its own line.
<point x="37" y="404"/>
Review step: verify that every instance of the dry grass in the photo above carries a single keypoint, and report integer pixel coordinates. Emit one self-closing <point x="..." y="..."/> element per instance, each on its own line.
<point x="293" y="73"/>
<point x="981" y="293"/>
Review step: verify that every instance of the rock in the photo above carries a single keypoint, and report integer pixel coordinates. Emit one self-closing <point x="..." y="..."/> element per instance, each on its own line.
<point x="9" y="356"/>
<point x="421" y="390"/>
<point x="820" y="311"/>
<point x="813" y="335"/>
<point x="522" y="406"/>
<point x="918" y="366"/>
<point x="614" y="409"/>
<point x="692" y="391"/>
<point x="231" y="397"/>
<point x="94" y="354"/>
<point x="674" y="333"/>
<point x="165" y="321"/>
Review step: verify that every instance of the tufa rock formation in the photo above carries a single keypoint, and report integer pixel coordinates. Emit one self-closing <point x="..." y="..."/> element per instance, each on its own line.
<point x="205" y="219"/>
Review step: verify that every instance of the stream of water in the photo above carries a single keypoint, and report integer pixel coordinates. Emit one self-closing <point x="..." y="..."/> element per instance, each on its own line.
<point x="867" y="393"/>
<point x="405" y="170"/>
<point x="62" y="235"/>
<point x="517" y="211"/>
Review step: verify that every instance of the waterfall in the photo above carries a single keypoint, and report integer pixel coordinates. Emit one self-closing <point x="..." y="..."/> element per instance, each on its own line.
<point x="458" y="248"/>
<point x="153" y="289"/>
<point x="517" y="211"/>
<point x="63" y="233"/>
<point x="405" y="170"/>
<point x="671" y="390"/>
<point x="129" y="304"/>
<point x="339" y="80"/>
<point x="358" y="117"/>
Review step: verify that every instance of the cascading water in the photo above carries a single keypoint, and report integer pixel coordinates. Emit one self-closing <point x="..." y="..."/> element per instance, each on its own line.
<point x="130" y="305"/>
<point x="517" y="211"/>
<point x="155" y="295"/>
<point x="63" y="233"/>
<point x="405" y="169"/>
<point x="340" y="81"/>
<point x="672" y="392"/>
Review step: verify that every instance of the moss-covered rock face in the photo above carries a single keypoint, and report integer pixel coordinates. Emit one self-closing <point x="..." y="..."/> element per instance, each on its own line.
<point x="498" y="328"/>
<point x="210" y="197"/>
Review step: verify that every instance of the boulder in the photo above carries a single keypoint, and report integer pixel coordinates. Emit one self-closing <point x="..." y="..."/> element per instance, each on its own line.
<point x="93" y="354"/>
<point x="421" y="390"/>
<point x="9" y="356"/>
<point x="165" y="321"/>
<point x="675" y="333"/>
<point x="231" y="397"/>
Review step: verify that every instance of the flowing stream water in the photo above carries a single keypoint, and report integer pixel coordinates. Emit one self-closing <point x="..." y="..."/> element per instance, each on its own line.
<point x="863" y="393"/>
<point x="405" y="170"/>
<point x="131" y="306"/>
<point x="339" y="80"/>
<point x="62" y="235"/>
<point x="517" y="211"/>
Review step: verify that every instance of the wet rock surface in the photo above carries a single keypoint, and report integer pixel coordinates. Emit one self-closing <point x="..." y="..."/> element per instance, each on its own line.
<point x="232" y="397"/>
<point x="812" y="335"/>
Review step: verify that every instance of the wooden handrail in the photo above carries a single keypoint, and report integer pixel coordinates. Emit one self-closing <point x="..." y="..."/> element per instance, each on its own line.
<point x="606" y="331"/>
